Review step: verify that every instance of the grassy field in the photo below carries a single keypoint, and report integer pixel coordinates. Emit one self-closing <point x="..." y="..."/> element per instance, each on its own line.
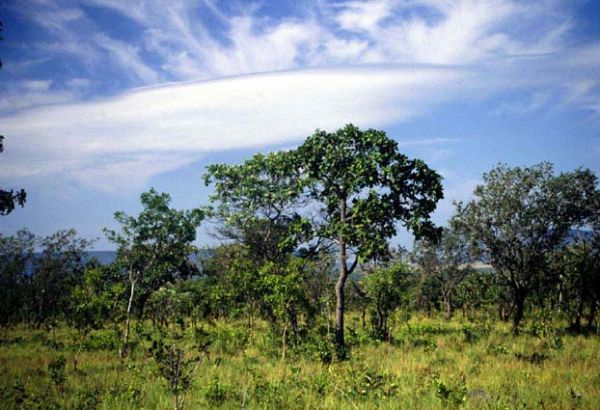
<point x="432" y="363"/>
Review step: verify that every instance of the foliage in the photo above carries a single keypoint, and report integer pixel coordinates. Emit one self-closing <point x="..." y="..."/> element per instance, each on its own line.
<point x="57" y="269"/>
<point x="578" y="269"/>
<point x="387" y="290"/>
<point x="444" y="265"/>
<point x="521" y="215"/>
<point x="9" y="198"/>
<point x="56" y="371"/>
<point x="365" y="186"/>
<point x="16" y="256"/>
<point x="169" y="349"/>
<point x="154" y="248"/>
<point x="258" y="204"/>
<point x="94" y="302"/>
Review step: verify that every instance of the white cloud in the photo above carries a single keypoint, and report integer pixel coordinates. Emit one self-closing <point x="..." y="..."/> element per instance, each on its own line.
<point x="127" y="139"/>
<point x="357" y="32"/>
<point x="362" y="15"/>
<point x="127" y="57"/>
<point x="33" y="93"/>
<point x="536" y="101"/>
<point x="499" y="45"/>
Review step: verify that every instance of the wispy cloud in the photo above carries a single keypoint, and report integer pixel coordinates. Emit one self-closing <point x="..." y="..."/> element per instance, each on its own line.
<point x="351" y="32"/>
<point x="536" y="101"/>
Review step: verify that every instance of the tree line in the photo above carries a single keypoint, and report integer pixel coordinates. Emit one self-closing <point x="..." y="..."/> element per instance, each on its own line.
<point x="305" y="237"/>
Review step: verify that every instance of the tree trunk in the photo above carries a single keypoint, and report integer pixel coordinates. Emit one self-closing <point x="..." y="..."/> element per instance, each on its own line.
<point x="76" y="359"/>
<point x="363" y="316"/>
<point x="127" y="320"/>
<point x="339" y="286"/>
<point x="577" y="323"/>
<point x="520" y="310"/>
<point x="448" y="304"/>
<point x="592" y="314"/>
<point x="283" y="343"/>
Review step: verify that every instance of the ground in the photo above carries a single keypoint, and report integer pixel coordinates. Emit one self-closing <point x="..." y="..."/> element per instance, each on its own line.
<point x="431" y="363"/>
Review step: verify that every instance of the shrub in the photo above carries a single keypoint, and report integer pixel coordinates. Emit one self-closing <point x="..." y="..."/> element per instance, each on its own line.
<point x="56" y="371"/>
<point x="216" y="392"/>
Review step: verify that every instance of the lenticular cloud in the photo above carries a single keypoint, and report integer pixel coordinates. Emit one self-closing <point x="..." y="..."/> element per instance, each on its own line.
<point x="126" y="139"/>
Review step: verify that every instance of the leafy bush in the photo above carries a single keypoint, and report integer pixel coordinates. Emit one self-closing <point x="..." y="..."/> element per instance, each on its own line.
<point x="454" y="394"/>
<point x="56" y="371"/>
<point x="216" y="392"/>
<point x="387" y="289"/>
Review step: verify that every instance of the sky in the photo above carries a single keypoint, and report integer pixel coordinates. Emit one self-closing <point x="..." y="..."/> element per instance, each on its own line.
<point x="102" y="99"/>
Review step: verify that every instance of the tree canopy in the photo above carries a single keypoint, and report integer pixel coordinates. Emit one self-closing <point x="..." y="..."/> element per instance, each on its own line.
<point x="521" y="215"/>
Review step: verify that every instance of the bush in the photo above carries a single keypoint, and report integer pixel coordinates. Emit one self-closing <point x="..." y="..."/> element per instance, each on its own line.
<point x="216" y="392"/>
<point x="454" y="394"/>
<point x="56" y="371"/>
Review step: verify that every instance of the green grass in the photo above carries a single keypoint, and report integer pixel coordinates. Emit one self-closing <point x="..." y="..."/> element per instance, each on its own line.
<point x="430" y="364"/>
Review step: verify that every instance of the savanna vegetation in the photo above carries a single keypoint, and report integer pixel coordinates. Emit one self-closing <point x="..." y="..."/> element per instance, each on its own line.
<point x="305" y="304"/>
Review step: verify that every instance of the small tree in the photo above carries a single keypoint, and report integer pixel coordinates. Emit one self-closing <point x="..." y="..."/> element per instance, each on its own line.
<point x="154" y="247"/>
<point x="520" y="216"/>
<point x="176" y="362"/>
<point x="93" y="303"/>
<point x="16" y="256"/>
<point x="56" y="270"/>
<point x="285" y="296"/>
<point x="445" y="263"/>
<point x="387" y="289"/>
<point x="578" y="269"/>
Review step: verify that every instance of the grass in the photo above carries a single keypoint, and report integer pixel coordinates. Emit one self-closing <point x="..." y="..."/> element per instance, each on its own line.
<point x="431" y="363"/>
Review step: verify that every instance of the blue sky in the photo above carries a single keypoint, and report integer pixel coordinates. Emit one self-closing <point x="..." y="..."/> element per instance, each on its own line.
<point x="102" y="99"/>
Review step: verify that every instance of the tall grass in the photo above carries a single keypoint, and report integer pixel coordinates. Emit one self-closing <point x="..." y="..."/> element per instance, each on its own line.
<point x="429" y="363"/>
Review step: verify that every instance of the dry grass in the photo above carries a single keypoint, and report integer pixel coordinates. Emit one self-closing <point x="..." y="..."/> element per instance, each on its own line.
<point x="435" y="364"/>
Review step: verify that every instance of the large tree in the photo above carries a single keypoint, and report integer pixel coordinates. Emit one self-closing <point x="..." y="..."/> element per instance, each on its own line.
<point x="365" y="187"/>
<point x="349" y="188"/>
<point x="154" y="247"/>
<point x="520" y="215"/>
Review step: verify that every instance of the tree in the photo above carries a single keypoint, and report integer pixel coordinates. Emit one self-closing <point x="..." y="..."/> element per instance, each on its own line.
<point x="154" y="248"/>
<point x="284" y="295"/>
<point x="93" y="302"/>
<point x="578" y="269"/>
<point x="57" y="269"/>
<point x="520" y="216"/>
<point x="445" y="263"/>
<point x="10" y="198"/>
<point x="257" y="204"/>
<point x="365" y="187"/>
<point x="16" y="257"/>
<point x="176" y="362"/>
<point x="387" y="289"/>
